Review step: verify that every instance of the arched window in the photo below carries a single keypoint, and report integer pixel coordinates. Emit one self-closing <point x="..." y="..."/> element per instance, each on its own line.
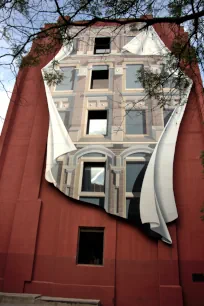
<point x="93" y="164"/>
<point x="135" y="160"/>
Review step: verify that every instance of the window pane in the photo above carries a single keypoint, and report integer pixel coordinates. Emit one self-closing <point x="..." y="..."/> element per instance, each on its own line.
<point x="135" y="172"/>
<point x="94" y="177"/>
<point x="131" y="76"/>
<point x="102" y="45"/>
<point x="132" y="208"/>
<point x="97" y="127"/>
<point x="100" y="78"/>
<point x="136" y="122"/>
<point x="167" y="114"/>
<point x="96" y="201"/>
<point x="68" y="80"/>
<point x="97" y="123"/>
<point x="90" y="246"/>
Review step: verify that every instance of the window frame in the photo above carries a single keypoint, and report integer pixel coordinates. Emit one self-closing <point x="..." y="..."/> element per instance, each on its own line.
<point x="130" y="195"/>
<point x="87" y="123"/>
<point x="140" y="89"/>
<point x="91" y="194"/>
<point x="89" y="77"/>
<point x="146" y="123"/>
<point x="75" y="67"/>
<point x="90" y="229"/>
<point x="103" y="53"/>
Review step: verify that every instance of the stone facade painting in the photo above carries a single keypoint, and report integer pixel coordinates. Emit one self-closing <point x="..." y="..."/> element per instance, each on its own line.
<point x="108" y="145"/>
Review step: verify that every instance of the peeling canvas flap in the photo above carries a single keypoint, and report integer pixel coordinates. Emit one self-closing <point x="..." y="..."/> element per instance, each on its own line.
<point x="58" y="142"/>
<point x="157" y="201"/>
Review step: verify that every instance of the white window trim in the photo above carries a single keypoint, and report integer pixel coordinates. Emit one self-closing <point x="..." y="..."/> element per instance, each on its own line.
<point x="76" y="67"/>
<point x="91" y="194"/>
<point x="131" y="194"/>
<point x="88" y="85"/>
<point x="84" y="131"/>
<point x="144" y="108"/>
<point x="125" y="89"/>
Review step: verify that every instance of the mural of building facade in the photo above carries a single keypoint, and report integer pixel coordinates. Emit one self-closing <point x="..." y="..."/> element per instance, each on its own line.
<point x="113" y="126"/>
<point x="56" y="246"/>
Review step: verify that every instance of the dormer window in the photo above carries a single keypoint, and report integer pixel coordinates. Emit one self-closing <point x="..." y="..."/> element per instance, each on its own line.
<point x="102" y="45"/>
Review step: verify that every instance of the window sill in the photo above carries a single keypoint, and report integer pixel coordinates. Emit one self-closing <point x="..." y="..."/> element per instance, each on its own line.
<point x="91" y="194"/>
<point x="91" y="266"/>
<point x="136" y="135"/>
<point x="134" y="89"/>
<point x="62" y="91"/>
<point x="98" y="89"/>
<point x="95" y="136"/>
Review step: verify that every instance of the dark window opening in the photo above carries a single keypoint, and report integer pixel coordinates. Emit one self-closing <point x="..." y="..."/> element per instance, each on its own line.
<point x="93" y="177"/>
<point x="136" y="122"/>
<point x="102" y="45"/>
<point x="135" y="172"/>
<point x="90" y="246"/>
<point x="99" y="77"/>
<point x="198" y="277"/>
<point x="167" y="114"/>
<point x="97" y="123"/>
<point x="132" y="208"/>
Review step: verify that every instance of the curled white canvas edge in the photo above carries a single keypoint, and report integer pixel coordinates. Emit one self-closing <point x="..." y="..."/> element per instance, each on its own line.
<point x="157" y="201"/>
<point x="58" y="141"/>
<point x="140" y="44"/>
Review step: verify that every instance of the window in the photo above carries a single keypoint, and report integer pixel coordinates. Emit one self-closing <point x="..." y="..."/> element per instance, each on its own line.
<point x="68" y="80"/>
<point x="97" y="123"/>
<point x="93" y="177"/>
<point x="97" y="201"/>
<point x="102" y="45"/>
<point x="198" y="277"/>
<point x="135" y="172"/>
<point x="136" y="122"/>
<point x="167" y="114"/>
<point x="132" y="208"/>
<point x="99" y="77"/>
<point x="132" y="80"/>
<point x="90" y="246"/>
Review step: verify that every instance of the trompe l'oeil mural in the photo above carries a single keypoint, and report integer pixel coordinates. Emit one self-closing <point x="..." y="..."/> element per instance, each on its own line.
<point x="118" y="156"/>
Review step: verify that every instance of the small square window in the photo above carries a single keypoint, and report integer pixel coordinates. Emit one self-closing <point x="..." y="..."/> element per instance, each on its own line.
<point x="102" y="45"/>
<point x="68" y="79"/>
<point x="97" y="123"/>
<point x="90" y="246"/>
<point x="136" y="122"/>
<point x="135" y="172"/>
<point x="132" y="80"/>
<point x="93" y="177"/>
<point x="100" y="77"/>
<point x="167" y="114"/>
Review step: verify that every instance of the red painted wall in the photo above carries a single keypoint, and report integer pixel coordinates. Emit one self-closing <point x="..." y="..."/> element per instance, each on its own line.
<point x="39" y="225"/>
